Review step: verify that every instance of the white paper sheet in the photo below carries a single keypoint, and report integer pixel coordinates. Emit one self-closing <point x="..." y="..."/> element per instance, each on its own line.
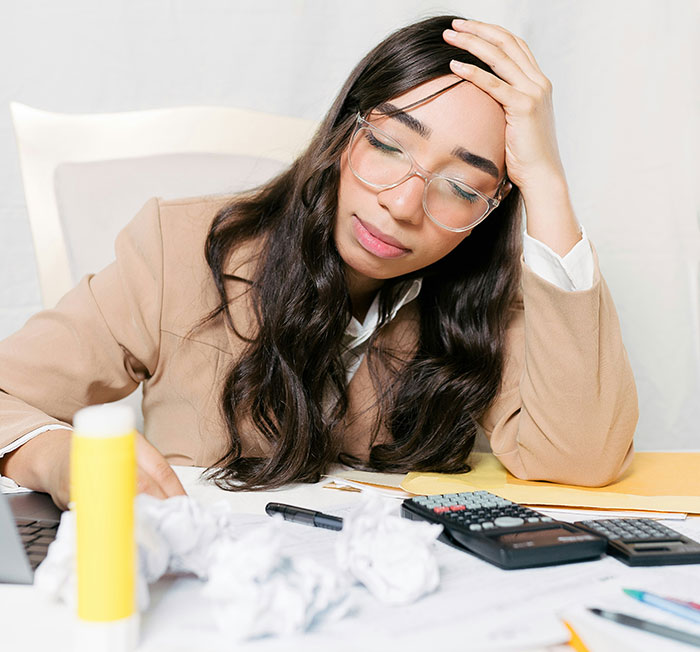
<point x="471" y="610"/>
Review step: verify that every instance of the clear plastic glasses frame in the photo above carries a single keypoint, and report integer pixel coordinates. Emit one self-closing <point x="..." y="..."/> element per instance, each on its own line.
<point x="428" y="177"/>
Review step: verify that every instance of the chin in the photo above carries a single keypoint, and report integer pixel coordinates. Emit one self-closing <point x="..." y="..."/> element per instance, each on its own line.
<point x="365" y="264"/>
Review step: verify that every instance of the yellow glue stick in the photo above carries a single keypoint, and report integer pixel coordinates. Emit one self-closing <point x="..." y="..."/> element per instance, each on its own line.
<point x="103" y="487"/>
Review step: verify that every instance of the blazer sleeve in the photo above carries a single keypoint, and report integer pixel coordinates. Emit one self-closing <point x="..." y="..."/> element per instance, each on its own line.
<point x="95" y="346"/>
<point x="567" y="409"/>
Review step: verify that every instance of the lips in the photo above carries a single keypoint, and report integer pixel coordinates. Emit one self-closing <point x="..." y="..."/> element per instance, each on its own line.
<point x="382" y="236"/>
<point x="377" y="242"/>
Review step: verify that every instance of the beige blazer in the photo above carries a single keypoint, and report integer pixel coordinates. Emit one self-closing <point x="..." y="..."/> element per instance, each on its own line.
<point x="566" y="412"/>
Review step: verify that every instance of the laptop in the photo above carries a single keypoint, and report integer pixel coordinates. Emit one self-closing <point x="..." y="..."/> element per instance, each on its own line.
<point x="28" y="524"/>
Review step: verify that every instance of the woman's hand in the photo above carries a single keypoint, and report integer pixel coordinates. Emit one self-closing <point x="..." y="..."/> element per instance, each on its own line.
<point x="155" y="476"/>
<point x="532" y="154"/>
<point x="523" y="91"/>
<point x="43" y="464"/>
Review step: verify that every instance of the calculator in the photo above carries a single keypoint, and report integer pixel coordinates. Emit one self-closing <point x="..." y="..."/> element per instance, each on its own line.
<point x="502" y="532"/>
<point x="644" y="541"/>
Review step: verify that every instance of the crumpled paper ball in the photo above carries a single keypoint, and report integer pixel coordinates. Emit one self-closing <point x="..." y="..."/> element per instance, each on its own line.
<point x="254" y="589"/>
<point x="259" y="591"/>
<point x="392" y="556"/>
<point x="185" y="530"/>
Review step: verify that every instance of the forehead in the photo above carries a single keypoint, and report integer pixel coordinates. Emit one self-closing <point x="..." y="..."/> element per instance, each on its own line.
<point x="463" y="116"/>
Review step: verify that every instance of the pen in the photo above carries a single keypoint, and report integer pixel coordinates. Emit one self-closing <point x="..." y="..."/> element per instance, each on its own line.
<point x="679" y="609"/>
<point x="648" y="626"/>
<point x="305" y="516"/>
<point x="690" y="605"/>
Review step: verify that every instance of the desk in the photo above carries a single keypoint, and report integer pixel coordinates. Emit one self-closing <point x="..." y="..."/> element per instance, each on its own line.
<point x="474" y="602"/>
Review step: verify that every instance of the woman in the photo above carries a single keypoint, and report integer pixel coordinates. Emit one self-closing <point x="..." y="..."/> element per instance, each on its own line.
<point x="369" y="305"/>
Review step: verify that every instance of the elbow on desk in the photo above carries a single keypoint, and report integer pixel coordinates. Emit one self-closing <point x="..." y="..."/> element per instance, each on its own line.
<point x="600" y="473"/>
<point x="596" y="451"/>
<point x="589" y="444"/>
<point x="585" y="466"/>
<point x="582" y="475"/>
<point x="596" y="471"/>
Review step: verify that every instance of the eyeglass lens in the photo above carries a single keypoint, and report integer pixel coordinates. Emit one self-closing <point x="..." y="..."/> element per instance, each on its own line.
<point x="380" y="161"/>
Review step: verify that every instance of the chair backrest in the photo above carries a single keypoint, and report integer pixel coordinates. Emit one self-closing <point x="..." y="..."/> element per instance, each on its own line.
<point x="86" y="175"/>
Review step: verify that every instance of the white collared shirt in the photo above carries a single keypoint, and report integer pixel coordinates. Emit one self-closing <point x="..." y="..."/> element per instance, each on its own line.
<point x="357" y="334"/>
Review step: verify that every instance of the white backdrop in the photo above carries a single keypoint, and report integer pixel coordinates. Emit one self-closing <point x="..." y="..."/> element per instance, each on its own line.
<point x="625" y="76"/>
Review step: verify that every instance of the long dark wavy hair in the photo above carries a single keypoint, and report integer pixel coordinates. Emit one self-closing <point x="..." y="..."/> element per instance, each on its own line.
<point x="429" y="403"/>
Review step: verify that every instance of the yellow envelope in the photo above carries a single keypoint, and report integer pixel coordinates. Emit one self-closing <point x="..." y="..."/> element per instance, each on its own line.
<point x="663" y="482"/>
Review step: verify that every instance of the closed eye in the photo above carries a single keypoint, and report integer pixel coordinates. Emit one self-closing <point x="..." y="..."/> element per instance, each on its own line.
<point x="378" y="144"/>
<point x="462" y="192"/>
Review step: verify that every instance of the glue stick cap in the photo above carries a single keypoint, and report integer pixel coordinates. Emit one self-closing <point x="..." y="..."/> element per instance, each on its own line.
<point x="107" y="420"/>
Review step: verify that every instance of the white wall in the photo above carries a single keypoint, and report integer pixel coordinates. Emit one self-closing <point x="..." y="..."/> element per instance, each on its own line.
<point x="625" y="76"/>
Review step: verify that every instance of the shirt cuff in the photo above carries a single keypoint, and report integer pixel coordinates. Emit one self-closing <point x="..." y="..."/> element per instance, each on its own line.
<point x="8" y="485"/>
<point x="571" y="272"/>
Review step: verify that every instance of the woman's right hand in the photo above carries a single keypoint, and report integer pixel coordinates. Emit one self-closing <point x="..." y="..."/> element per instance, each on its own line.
<point x="43" y="464"/>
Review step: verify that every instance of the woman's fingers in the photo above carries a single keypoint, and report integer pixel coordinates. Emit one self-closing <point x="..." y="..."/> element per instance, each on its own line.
<point x="517" y="83"/>
<point x="508" y="55"/>
<point x="499" y="61"/>
<point x="147" y="485"/>
<point x="498" y="89"/>
<point x="156" y="476"/>
<point x="512" y="45"/>
<point x="528" y="52"/>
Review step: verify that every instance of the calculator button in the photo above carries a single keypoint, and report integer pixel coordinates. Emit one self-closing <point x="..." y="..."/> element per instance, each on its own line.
<point x="487" y="526"/>
<point x="546" y="519"/>
<point x="508" y="521"/>
<point x="475" y="526"/>
<point x="533" y="519"/>
<point x="662" y="529"/>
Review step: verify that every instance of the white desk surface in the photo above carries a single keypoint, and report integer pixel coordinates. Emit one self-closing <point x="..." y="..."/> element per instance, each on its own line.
<point x="476" y="607"/>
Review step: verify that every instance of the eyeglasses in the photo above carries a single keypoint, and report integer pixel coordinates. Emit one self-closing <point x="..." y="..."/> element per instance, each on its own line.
<point x="380" y="161"/>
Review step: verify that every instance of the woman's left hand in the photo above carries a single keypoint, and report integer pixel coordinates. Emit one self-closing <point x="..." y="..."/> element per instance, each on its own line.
<point x="532" y="154"/>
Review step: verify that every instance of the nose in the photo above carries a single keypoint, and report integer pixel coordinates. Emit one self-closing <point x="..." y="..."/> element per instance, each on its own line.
<point x="405" y="201"/>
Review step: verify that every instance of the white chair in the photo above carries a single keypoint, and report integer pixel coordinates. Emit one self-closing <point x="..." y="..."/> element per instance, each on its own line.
<point x="86" y="176"/>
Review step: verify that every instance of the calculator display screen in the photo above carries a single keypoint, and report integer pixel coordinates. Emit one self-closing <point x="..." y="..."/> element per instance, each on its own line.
<point x="547" y="537"/>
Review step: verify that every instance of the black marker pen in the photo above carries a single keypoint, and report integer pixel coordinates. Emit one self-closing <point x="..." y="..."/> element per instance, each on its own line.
<point x="648" y="626"/>
<point x="304" y="516"/>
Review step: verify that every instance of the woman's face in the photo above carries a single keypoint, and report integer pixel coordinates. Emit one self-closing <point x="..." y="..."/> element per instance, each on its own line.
<point x="383" y="234"/>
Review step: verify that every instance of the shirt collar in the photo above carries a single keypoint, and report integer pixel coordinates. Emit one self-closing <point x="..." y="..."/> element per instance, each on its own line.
<point x="356" y="332"/>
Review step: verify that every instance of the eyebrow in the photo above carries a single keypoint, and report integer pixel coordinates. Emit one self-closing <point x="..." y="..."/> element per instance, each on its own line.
<point x="479" y="162"/>
<point x="485" y="164"/>
<point x="392" y="111"/>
